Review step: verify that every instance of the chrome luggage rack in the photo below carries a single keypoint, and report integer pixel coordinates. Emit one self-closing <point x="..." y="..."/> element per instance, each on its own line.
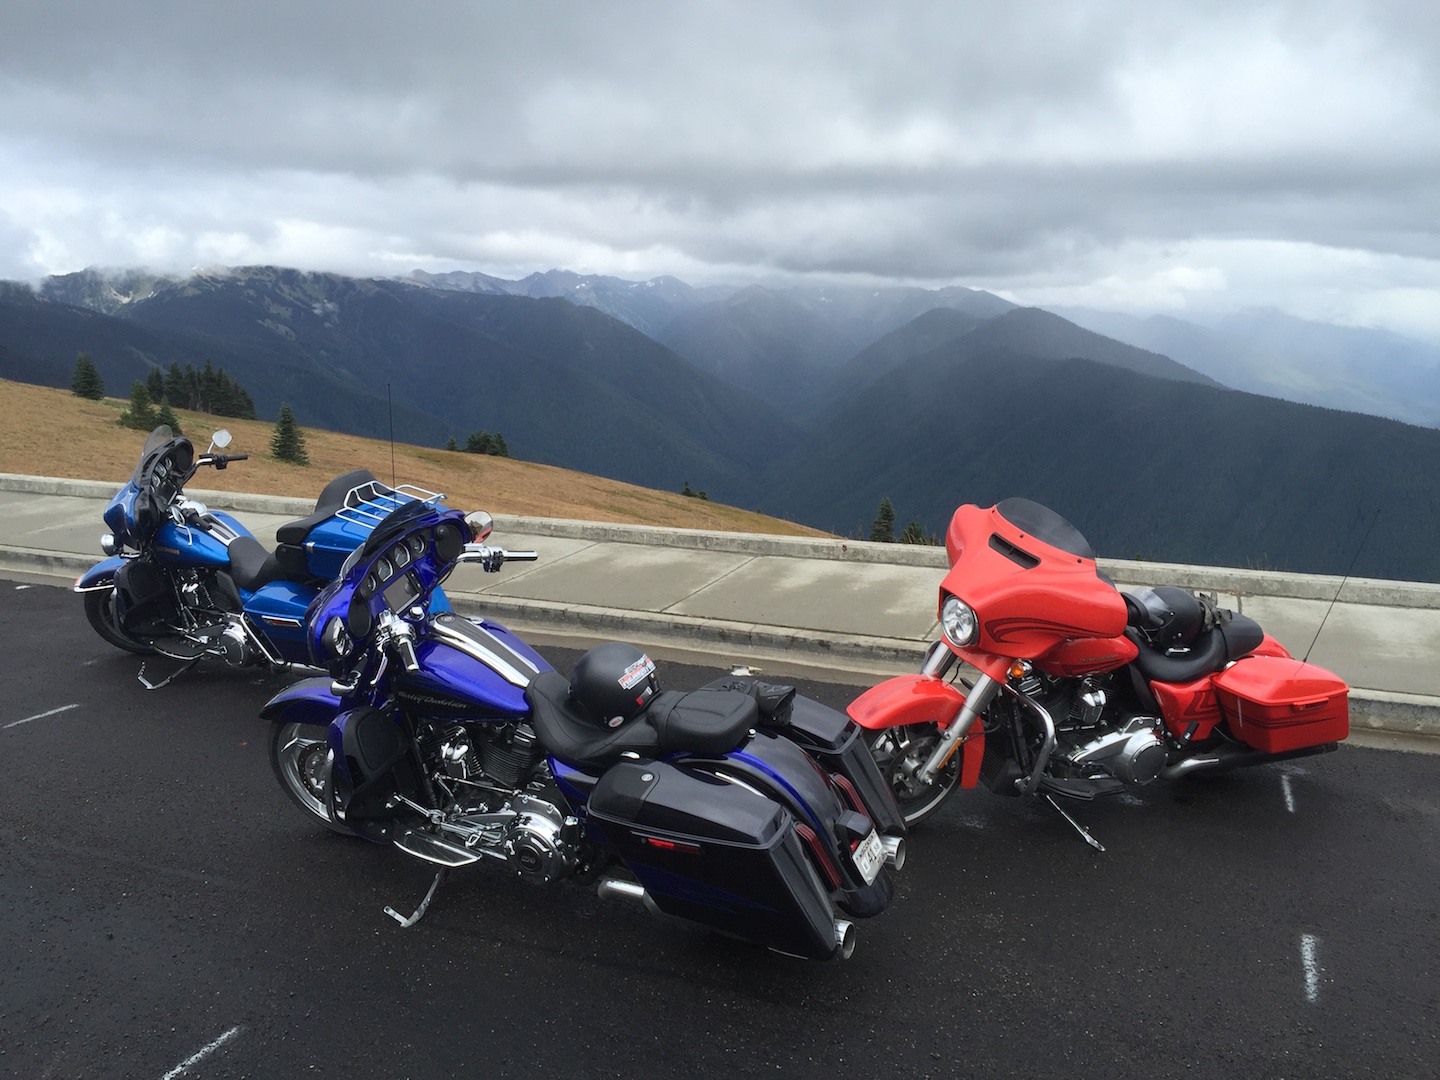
<point x="368" y="504"/>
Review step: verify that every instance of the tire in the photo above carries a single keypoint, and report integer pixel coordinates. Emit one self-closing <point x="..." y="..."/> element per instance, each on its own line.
<point x="297" y="755"/>
<point x="101" y="615"/>
<point x="899" y="752"/>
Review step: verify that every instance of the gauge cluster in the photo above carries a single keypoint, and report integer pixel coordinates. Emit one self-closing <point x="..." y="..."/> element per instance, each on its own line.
<point x="387" y="574"/>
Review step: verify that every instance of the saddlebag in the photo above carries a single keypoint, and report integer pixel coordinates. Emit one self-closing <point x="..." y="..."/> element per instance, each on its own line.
<point x="1277" y="703"/>
<point x="715" y="853"/>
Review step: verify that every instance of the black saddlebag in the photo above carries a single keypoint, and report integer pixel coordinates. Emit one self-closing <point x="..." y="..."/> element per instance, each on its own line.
<point x="830" y="737"/>
<point x="715" y="853"/>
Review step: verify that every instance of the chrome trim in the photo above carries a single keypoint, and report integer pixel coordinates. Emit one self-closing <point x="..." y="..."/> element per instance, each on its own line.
<point x="1190" y="765"/>
<point x="370" y="503"/>
<point x="457" y="639"/>
<point x="979" y="699"/>
<point x="608" y="887"/>
<point x="894" y="851"/>
<point x="281" y="620"/>
<point x="94" y="588"/>
<point x="844" y="938"/>
<point x="260" y="642"/>
<point x="1027" y="785"/>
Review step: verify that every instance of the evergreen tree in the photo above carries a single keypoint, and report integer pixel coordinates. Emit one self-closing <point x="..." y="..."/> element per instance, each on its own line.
<point x="498" y="447"/>
<point x="481" y="442"/>
<point x="141" y="413"/>
<point x="450" y="445"/>
<point x="686" y="491"/>
<point x="166" y="415"/>
<point x="883" y="527"/>
<point x="288" y="442"/>
<point x="155" y="384"/>
<point x="86" y="381"/>
<point x="914" y="534"/>
<point x="177" y="391"/>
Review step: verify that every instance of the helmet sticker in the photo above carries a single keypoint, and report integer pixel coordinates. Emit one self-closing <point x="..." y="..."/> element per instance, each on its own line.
<point x="637" y="672"/>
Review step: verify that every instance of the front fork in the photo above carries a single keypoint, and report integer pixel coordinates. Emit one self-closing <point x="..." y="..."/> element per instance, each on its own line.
<point x="976" y="703"/>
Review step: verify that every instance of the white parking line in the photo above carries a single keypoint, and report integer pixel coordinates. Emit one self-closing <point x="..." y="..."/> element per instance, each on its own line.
<point x="41" y="716"/>
<point x="1312" y="970"/>
<point x="208" y="1048"/>
<point x="1289" y="795"/>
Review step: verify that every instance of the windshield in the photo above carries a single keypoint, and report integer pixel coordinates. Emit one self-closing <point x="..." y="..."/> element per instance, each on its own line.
<point x="158" y="438"/>
<point x="1045" y="525"/>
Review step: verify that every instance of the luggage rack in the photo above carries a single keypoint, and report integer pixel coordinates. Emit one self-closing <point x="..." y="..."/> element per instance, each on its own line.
<point x="368" y="504"/>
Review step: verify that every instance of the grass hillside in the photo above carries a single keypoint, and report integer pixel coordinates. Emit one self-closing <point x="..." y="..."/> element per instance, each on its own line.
<point x="51" y="432"/>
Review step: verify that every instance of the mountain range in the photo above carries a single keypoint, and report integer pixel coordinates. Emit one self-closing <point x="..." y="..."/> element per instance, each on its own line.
<point x="809" y="403"/>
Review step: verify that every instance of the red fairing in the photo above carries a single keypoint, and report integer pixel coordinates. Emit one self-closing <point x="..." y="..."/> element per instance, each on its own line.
<point x="1029" y="597"/>
<point x="1183" y="704"/>
<point x="1088" y="656"/>
<point x="920" y="699"/>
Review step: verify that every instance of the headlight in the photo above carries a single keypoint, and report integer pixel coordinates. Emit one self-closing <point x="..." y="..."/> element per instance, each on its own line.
<point x="958" y="622"/>
<point x="108" y="544"/>
<point x="335" y="639"/>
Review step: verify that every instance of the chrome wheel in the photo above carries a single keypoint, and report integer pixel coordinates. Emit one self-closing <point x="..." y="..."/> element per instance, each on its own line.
<point x="298" y="755"/>
<point x="901" y="752"/>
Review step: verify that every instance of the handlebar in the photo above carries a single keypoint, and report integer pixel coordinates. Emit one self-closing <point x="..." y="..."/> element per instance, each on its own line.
<point x="219" y="460"/>
<point x="492" y="558"/>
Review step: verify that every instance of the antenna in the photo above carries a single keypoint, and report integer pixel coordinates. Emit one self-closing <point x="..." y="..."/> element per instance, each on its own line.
<point x="1342" y="585"/>
<point x="390" y="407"/>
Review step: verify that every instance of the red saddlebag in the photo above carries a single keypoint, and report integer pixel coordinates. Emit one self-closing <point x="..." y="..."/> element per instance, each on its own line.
<point x="1277" y="703"/>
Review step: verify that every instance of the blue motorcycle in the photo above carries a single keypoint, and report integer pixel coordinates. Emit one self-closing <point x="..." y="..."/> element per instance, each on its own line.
<point x="740" y="808"/>
<point x="184" y="582"/>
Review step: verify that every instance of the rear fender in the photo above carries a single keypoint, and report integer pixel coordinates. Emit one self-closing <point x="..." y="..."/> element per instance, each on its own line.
<point x="99" y="576"/>
<point x="308" y="701"/>
<point x="920" y="699"/>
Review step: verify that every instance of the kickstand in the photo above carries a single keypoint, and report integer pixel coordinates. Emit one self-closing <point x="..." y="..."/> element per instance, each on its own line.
<point x="184" y="667"/>
<point x="1077" y="826"/>
<point x="405" y="923"/>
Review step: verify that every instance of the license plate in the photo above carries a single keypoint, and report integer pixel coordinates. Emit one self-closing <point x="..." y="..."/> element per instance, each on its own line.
<point x="870" y="857"/>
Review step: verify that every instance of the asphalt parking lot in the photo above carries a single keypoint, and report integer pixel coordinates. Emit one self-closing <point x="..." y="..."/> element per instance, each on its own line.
<point x="161" y="896"/>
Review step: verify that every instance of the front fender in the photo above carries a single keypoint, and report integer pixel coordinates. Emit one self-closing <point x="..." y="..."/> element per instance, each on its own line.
<point x="920" y="699"/>
<point x="308" y="701"/>
<point x="99" y="576"/>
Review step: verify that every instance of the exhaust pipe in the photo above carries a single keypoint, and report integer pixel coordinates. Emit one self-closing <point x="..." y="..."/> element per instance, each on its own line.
<point x="844" y="939"/>
<point x="618" y="888"/>
<point x="894" y="851"/>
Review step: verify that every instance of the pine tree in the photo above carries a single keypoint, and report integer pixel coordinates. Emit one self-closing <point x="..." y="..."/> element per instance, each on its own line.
<point x="450" y="445"/>
<point x="86" y="381"/>
<point x="176" y="391"/>
<point x="141" y="413"/>
<point x="883" y="527"/>
<point x="914" y="534"/>
<point x="498" y="447"/>
<point x="481" y="442"/>
<point x="288" y="442"/>
<point x="166" y="415"/>
<point x="155" y="384"/>
<point x="685" y="491"/>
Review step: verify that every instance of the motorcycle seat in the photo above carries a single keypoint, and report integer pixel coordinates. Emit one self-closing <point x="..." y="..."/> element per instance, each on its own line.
<point x="332" y="498"/>
<point x="251" y="565"/>
<point x="1212" y="650"/>
<point x="706" y="721"/>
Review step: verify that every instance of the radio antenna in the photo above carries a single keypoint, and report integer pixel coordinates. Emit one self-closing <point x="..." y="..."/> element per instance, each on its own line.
<point x="1342" y="585"/>
<point x="390" y="407"/>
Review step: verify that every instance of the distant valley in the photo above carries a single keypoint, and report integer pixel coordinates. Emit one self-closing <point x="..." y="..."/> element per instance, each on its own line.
<point x="808" y="403"/>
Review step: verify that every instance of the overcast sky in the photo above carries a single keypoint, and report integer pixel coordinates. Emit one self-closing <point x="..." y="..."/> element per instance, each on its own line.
<point x="1141" y="157"/>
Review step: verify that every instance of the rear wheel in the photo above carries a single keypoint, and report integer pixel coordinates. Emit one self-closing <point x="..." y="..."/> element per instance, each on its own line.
<point x="298" y="755"/>
<point x="901" y="752"/>
<point x="101" y="614"/>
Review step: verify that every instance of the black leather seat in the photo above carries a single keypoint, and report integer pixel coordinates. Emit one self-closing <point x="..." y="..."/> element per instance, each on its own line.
<point x="332" y="498"/>
<point x="706" y="721"/>
<point x="1212" y="650"/>
<point x="251" y="565"/>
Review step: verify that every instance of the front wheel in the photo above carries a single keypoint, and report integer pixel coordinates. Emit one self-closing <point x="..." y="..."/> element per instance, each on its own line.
<point x="901" y="752"/>
<point x="298" y="755"/>
<point x="101" y="613"/>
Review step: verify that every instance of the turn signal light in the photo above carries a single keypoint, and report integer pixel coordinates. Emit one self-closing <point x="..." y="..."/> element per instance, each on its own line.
<point x="1019" y="669"/>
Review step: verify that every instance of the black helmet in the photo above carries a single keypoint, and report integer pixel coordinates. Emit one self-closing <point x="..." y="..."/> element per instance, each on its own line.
<point x="613" y="683"/>
<point x="1171" y="617"/>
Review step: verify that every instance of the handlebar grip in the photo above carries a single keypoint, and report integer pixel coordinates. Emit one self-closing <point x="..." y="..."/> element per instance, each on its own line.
<point x="521" y="556"/>
<point x="406" y="648"/>
<point x="237" y="457"/>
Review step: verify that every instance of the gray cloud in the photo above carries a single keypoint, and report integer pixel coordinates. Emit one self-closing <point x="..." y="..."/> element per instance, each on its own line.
<point x="1050" y="149"/>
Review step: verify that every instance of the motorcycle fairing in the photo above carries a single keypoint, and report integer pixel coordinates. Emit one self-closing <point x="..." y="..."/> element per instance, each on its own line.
<point x="1190" y="710"/>
<point x="1047" y="595"/>
<point x="453" y="685"/>
<point x="1088" y="656"/>
<point x="99" y="576"/>
<point x="920" y="699"/>
<point x="309" y="701"/>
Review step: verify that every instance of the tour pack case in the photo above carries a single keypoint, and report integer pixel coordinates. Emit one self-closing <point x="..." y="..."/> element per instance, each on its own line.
<point x="716" y="853"/>
<point x="1278" y="703"/>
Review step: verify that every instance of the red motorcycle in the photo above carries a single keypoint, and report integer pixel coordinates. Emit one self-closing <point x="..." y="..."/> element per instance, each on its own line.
<point x="1083" y="690"/>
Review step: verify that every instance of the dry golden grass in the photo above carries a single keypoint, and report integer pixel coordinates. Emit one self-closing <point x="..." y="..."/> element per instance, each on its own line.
<point x="53" y="433"/>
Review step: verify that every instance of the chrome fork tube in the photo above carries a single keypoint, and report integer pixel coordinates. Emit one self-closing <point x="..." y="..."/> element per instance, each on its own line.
<point x="980" y="697"/>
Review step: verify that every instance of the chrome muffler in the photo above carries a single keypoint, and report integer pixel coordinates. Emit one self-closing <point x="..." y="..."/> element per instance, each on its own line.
<point x="894" y="851"/>
<point x="844" y="938"/>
